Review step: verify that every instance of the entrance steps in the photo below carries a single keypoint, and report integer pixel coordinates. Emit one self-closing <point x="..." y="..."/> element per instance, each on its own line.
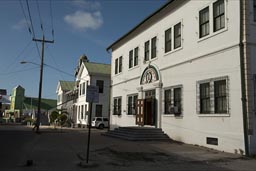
<point x="138" y="134"/>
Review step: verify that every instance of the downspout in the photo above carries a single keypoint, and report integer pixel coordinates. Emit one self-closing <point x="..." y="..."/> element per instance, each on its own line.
<point x="243" y="83"/>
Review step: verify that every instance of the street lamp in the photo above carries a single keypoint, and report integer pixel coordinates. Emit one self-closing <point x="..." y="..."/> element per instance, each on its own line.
<point x="38" y="116"/>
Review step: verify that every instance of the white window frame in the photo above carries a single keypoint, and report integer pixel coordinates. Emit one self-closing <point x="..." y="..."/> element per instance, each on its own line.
<point x="212" y="96"/>
<point x="133" y="104"/>
<point x="171" y="88"/>
<point x="173" y="49"/>
<point x="211" y="21"/>
<point x="118" y="70"/>
<point x="133" y="52"/>
<point x="117" y="98"/>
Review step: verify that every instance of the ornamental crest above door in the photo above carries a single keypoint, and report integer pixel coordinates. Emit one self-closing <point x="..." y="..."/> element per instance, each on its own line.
<point x="149" y="75"/>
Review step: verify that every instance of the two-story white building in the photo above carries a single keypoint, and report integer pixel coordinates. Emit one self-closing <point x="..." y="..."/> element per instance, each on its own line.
<point x="66" y="95"/>
<point x="190" y="69"/>
<point x="95" y="74"/>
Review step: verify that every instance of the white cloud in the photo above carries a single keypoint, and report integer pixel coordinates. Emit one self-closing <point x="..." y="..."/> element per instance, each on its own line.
<point x="86" y="4"/>
<point x="22" y="24"/>
<point x="81" y="20"/>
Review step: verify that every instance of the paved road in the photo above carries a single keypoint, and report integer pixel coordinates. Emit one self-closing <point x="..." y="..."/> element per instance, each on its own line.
<point x="65" y="150"/>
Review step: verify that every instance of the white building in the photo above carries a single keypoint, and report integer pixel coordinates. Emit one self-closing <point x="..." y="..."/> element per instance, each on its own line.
<point x="189" y="68"/>
<point x="66" y="96"/>
<point x="95" y="74"/>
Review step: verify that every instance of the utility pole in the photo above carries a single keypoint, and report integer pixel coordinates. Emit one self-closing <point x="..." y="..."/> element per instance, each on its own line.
<point x="40" y="81"/>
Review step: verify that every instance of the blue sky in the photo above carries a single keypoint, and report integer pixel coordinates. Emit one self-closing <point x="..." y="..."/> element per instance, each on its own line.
<point x="80" y="27"/>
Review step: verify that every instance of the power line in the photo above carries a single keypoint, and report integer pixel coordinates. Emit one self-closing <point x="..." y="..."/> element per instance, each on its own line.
<point x="51" y="19"/>
<point x="32" y="27"/>
<point x="18" y="71"/>
<point x="33" y="32"/>
<point x="41" y="21"/>
<point x="23" y="11"/>
<point x="59" y="70"/>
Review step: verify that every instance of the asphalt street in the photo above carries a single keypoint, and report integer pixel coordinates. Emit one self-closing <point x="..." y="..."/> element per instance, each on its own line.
<point x="65" y="150"/>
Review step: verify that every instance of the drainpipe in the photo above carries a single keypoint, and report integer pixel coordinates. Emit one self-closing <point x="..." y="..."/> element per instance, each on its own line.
<point x="243" y="83"/>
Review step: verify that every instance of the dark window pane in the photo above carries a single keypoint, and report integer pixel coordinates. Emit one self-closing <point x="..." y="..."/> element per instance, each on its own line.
<point x="220" y="97"/>
<point x="116" y="66"/>
<point x="153" y="47"/>
<point x="146" y="51"/>
<point x="218" y="15"/>
<point x="131" y="59"/>
<point x="100" y="84"/>
<point x="204" y="22"/>
<point x="177" y="100"/>
<point x="205" y="98"/>
<point x="120" y="63"/>
<point x="168" y="40"/>
<point x="136" y="56"/>
<point x="177" y="35"/>
<point x="167" y="101"/>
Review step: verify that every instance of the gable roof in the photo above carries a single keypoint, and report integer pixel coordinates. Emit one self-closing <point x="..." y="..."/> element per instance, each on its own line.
<point x="97" y="68"/>
<point x="66" y="85"/>
<point x="140" y="24"/>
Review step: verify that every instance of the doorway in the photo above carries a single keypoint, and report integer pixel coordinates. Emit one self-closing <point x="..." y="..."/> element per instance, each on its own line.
<point x="150" y="108"/>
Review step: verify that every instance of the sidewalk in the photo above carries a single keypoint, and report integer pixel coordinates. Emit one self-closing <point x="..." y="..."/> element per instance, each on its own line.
<point x="65" y="150"/>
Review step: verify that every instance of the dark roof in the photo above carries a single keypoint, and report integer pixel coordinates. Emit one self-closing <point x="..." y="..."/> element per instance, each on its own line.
<point x="67" y="85"/>
<point x="98" y="68"/>
<point x="46" y="104"/>
<point x="141" y="23"/>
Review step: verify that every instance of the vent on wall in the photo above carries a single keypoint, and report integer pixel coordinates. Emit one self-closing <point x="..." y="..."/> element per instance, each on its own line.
<point x="212" y="141"/>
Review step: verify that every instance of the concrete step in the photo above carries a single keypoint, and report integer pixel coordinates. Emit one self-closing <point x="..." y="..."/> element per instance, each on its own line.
<point x="138" y="134"/>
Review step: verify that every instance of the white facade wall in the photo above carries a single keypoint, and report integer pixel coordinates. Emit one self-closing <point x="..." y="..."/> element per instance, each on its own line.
<point x="213" y="56"/>
<point x="81" y="100"/>
<point x="85" y="77"/>
<point x="60" y="97"/>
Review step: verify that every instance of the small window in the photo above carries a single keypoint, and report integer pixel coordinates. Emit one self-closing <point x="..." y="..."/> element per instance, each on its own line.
<point x="98" y="112"/>
<point x="205" y="98"/>
<point x="136" y="56"/>
<point x="167" y="101"/>
<point x="100" y="84"/>
<point x="220" y="96"/>
<point x="173" y="100"/>
<point x="168" y="40"/>
<point x="146" y="51"/>
<point x="204" y="22"/>
<point x="82" y="112"/>
<point x="120" y="63"/>
<point x="131" y="59"/>
<point x="117" y="106"/>
<point x="153" y="47"/>
<point x="116" y="66"/>
<point x="177" y="36"/>
<point x="105" y="119"/>
<point x="83" y="92"/>
<point x="132" y="100"/>
<point x="212" y="97"/>
<point x="218" y="15"/>
<point x="177" y="100"/>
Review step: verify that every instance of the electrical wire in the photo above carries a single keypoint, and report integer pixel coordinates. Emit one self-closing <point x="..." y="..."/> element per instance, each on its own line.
<point x="41" y="21"/>
<point x="51" y="19"/>
<point x="18" y="71"/>
<point x="23" y="11"/>
<point x="8" y="67"/>
<point x="33" y="32"/>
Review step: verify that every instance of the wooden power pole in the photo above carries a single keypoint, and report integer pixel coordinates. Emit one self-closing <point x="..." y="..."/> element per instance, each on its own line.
<point x="40" y="80"/>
